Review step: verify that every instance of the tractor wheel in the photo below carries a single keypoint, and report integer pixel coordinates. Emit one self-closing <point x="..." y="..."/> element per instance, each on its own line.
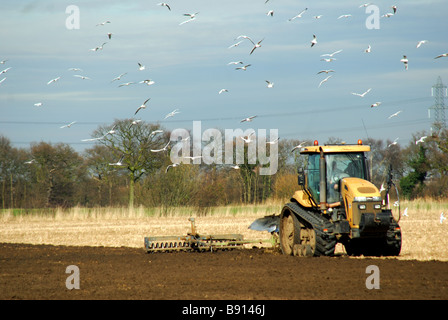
<point x="289" y="232"/>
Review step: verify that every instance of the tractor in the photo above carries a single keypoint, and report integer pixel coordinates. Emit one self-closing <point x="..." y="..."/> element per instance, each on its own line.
<point x="337" y="203"/>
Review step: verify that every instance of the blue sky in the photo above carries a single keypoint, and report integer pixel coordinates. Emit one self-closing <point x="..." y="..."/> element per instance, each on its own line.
<point x="189" y="64"/>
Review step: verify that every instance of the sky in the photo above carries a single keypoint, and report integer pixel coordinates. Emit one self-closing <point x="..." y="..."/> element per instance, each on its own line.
<point x="189" y="64"/>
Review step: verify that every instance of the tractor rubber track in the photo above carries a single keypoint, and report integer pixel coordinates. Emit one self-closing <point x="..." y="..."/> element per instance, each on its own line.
<point x="325" y="240"/>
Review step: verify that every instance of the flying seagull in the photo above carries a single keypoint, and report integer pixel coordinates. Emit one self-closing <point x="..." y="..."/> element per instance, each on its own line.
<point x="171" y="166"/>
<point x="393" y="143"/>
<point x="368" y="50"/>
<point x="362" y="94"/>
<point x="248" y="139"/>
<point x="172" y="113"/>
<point x="421" y="42"/>
<point x="148" y="82"/>
<point x="163" y="149"/>
<point x="405" y="61"/>
<point x="442" y="217"/>
<point x="141" y="67"/>
<point x="3" y="80"/>
<point x="223" y="90"/>
<point x="109" y="35"/>
<point x="192" y="17"/>
<point x="68" y="125"/>
<point x="143" y="106"/>
<point x="82" y="77"/>
<point x="442" y="55"/>
<point x="5" y="70"/>
<point x="243" y="68"/>
<point x="300" y="145"/>
<point x="53" y="80"/>
<point x="344" y="16"/>
<point x="74" y="69"/>
<point x="376" y="104"/>
<point x="273" y="141"/>
<point x="325" y="80"/>
<point x="126" y="84"/>
<point x="118" y="163"/>
<point x="249" y="119"/>
<point x="163" y="4"/>
<point x="119" y="77"/>
<point x="103" y="23"/>
<point x="421" y="140"/>
<point x="325" y="71"/>
<point x="395" y="114"/>
<point x="298" y="16"/>
<point x="314" y="41"/>
<point x="39" y="104"/>
<point x="269" y="84"/>
<point x="330" y="54"/>
<point x="99" y="47"/>
<point x="235" y="44"/>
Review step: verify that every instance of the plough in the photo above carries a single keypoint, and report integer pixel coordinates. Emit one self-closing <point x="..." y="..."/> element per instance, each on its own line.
<point x="196" y="242"/>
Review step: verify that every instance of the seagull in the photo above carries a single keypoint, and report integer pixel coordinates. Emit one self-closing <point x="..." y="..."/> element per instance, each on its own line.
<point x="318" y="17"/>
<point x="300" y="145"/>
<point x="74" y="69"/>
<point x="387" y="15"/>
<point x="393" y="143"/>
<point x="223" y="90"/>
<point x="248" y="139"/>
<point x="298" y="16"/>
<point x="171" y="166"/>
<point x="235" y="62"/>
<point x="382" y="188"/>
<point x="362" y="94"/>
<point x="442" y="55"/>
<point x="236" y="167"/>
<point x="256" y="45"/>
<point x="163" y="4"/>
<point x="376" y="104"/>
<point x="235" y="44"/>
<point x="325" y="80"/>
<point x="163" y="149"/>
<point x="3" y="80"/>
<point x="103" y="23"/>
<point x="99" y="47"/>
<point x="269" y="84"/>
<point x="365" y="5"/>
<point x="330" y="54"/>
<point x="111" y="131"/>
<point x="68" y="125"/>
<point x="395" y="9"/>
<point x="143" y="106"/>
<point x="119" y="77"/>
<point x="405" y="213"/>
<point x="109" y="35"/>
<point x="326" y="71"/>
<point x="314" y="41"/>
<point x="5" y="70"/>
<point x="368" y="50"/>
<point x="93" y="139"/>
<point x="30" y="161"/>
<point x="39" y="104"/>
<point x="82" y="77"/>
<point x="442" y="217"/>
<point x="270" y="13"/>
<point x="126" y="84"/>
<point x="134" y="122"/>
<point x="421" y="140"/>
<point x="153" y="133"/>
<point x="344" y="16"/>
<point x="118" y="163"/>
<point x="172" y="113"/>
<point x="141" y="67"/>
<point x="395" y="114"/>
<point x="192" y="17"/>
<point x="405" y="61"/>
<point x="53" y="80"/>
<point x="3" y="61"/>
<point x="249" y="119"/>
<point x="328" y="59"/>
<point x="421" y="42"/>
<point x="273" y="141"/>
<point x="148" y="82"/>
<point x="243" y="68"/>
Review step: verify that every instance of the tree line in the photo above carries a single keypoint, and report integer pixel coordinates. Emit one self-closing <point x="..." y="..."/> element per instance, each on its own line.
<point x="121" y="170"/>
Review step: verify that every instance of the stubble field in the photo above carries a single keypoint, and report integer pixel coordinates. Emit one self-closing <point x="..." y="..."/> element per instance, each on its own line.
<point x="107" y="246"/>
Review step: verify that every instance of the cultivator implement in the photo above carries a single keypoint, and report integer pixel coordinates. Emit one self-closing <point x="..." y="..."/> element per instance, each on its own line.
<point x="194" y="242"/>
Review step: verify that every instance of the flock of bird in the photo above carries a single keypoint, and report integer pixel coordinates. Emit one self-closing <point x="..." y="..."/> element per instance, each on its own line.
<point x="255" y="46"/>
<point x="441" y="216"/>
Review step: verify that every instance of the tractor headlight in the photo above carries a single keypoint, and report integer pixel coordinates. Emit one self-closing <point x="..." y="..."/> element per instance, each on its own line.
<point x="362" y="206"/>
<point x="377" y="206"/>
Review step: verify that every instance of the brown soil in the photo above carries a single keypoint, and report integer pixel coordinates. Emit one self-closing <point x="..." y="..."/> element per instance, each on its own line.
<point x="39" y="272"/>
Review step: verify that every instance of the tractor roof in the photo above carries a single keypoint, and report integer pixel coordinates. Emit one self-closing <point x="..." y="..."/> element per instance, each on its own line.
<point x="335" y="148"/>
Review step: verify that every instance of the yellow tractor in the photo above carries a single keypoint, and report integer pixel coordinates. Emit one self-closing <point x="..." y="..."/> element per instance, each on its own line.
<point x="337" y="203"/>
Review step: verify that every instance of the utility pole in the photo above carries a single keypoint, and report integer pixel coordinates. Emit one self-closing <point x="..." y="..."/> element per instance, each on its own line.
<point x="439" y="92"/>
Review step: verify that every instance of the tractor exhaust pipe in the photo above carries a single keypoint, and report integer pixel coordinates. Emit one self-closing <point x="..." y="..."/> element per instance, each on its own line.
<point x="322" y="182"/>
